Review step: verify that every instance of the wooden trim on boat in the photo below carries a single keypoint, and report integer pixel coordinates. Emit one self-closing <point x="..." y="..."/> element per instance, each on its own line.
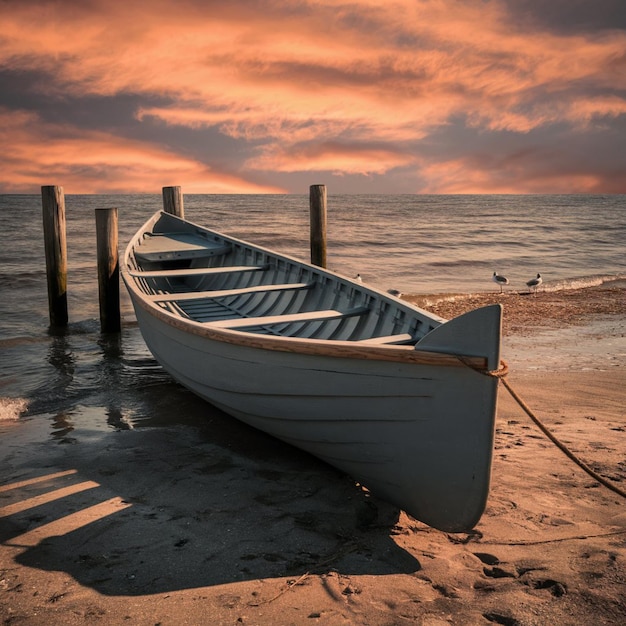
<point x="374" y="348"/>
<point x="319" y="347"/>
<point x="387" y="339"/>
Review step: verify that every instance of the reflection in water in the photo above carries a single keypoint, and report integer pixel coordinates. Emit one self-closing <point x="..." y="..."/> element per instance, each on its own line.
<point x="94" y="383"/>
<point x="112" y="374"/>
<point x="61" y="357"/>
<point x="53" y="385"/>
<point x="62" y="425"/>
<point x="111" y="346"/>
<point x="116" y="419"/>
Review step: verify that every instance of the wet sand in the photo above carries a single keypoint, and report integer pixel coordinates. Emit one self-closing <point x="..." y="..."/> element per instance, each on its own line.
<point x="210" y="522"/>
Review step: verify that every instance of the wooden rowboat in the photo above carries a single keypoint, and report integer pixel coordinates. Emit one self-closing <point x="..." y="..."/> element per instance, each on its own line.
<point x="396" y="397"/>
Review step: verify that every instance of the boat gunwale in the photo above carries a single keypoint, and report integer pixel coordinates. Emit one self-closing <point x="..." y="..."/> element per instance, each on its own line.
<point x="315" y="347"/>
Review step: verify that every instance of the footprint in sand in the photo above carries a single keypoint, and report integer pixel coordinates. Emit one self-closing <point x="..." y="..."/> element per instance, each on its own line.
<point x="498" y="618"/>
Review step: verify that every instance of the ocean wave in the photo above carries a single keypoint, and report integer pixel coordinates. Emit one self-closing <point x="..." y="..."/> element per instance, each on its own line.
<point x="13" y="342"/>
<point x="22" y="279"/>
<point x="12" y="408"/>
<point x="570" y="284"/>
<point x="581" y="282"/>
<point x="461" y="264"/>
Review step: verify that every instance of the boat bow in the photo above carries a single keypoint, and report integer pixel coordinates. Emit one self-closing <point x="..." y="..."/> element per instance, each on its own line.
<point x="476" y="333"/>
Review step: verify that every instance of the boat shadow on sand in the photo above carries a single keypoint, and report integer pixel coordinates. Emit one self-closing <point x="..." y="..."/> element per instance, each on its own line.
<point x="201" y="503"/>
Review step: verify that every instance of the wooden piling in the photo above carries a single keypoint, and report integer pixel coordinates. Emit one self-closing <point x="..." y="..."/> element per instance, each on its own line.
<point x="108" y="270"/>
<point x="173" y="201"/>
<point x="317" y="203"/>
<point x="53" y="204"/>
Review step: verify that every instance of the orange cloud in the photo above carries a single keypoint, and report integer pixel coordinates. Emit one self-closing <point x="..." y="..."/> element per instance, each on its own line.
<point x="95" y="162"/>
<point x="513" y="176"/>
<point x="334" y="157"/>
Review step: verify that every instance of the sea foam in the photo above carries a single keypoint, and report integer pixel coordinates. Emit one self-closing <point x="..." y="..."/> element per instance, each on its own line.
<point x="582" y="282"/>
<point x="12" y="408"/>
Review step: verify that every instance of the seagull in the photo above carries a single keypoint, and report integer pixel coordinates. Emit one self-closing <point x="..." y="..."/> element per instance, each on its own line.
<point x="358" y="278"/>
<point x="533" y="283"/>
<point x="500" y="280"/>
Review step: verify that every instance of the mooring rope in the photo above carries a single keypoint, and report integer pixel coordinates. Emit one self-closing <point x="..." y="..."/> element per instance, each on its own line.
<point x="501" y="374"/>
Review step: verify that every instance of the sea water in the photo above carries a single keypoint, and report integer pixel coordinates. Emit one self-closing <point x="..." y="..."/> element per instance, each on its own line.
<point x="83" y="381"/>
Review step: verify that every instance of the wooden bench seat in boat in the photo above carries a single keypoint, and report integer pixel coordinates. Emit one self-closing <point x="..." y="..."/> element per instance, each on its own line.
<point x="308" y="316"/>
<point x="387" y="339"/>
<point x="222" y="293"/>
<point x="196" y="271"/>
<point x="177" y="246"/>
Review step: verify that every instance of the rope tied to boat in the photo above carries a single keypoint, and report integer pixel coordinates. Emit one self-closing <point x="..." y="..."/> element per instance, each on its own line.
<point x="501" y="374"/>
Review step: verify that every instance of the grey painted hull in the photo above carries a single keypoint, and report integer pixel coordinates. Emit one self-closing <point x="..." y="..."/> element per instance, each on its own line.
<point x="413" y="426"/>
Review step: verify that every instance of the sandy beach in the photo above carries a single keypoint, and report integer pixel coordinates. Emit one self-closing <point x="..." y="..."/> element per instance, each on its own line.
<point x="205" y="521"/>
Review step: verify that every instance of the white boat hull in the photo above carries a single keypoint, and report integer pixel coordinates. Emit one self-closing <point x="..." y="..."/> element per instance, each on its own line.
<point x="415" y="429"/>
<point x="403" y="431"/>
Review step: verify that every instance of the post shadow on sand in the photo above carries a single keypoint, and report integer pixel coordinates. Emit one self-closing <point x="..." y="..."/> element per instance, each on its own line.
<point x="212" y="501"/>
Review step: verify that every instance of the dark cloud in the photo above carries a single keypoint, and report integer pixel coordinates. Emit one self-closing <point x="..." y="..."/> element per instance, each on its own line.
<point x="22" y="89"/>
<point x="568" y="16"/>
<point x="39" y="92"/>
<point x="28" y="91"/>
<point x="533" y="161"/>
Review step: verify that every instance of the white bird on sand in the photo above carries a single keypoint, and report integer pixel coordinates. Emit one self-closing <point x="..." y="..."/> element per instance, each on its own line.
<point x="500" y="280"/>
<point x="533" y="283"/>
<point x="358" y="278"/>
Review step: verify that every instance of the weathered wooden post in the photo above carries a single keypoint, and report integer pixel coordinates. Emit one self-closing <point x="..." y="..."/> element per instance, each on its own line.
<point x="317" y="203"/>
<point x="108" y="270"/>
<point x="53" y="203"/>
<point x="173" y="201"/>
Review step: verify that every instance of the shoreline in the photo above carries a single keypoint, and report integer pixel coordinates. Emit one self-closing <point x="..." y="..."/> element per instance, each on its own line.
<point x="524" y="312"/>
<point x="197" y="519"/>
<point x="553" y="331"/>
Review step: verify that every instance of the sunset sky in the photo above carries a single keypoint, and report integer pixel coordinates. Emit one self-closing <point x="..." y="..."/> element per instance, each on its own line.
<point x="365" y="96"/>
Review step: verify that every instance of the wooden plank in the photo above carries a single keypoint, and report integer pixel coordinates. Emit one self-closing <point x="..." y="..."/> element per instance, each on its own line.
<point x="108" y="270"/>
<point x="196" y="271"/>
<point x="387" y="339"/>
<point x="173" y="201"/>
<point x="308" y="316"/>
<point x="53" y="205"/>
<point x="317" y="204"/>
<point x="197" y="295"/>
